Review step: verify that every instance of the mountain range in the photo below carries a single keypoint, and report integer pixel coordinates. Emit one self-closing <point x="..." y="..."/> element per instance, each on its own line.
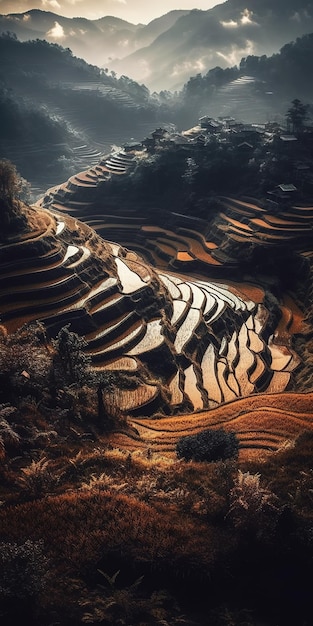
<point x="97" y="41"/>
<point x="167" y="51"/>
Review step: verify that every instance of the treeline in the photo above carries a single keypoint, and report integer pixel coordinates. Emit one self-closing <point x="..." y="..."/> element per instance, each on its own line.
<point x="51" y="101"/>
<point x="288" y="71"/>
<point x="51" y="62"/>
<point x="31" y="136"/>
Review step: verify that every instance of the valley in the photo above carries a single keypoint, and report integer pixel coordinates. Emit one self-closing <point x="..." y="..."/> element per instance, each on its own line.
<point x="177" y="326"/>
<point x="156" y="316"/>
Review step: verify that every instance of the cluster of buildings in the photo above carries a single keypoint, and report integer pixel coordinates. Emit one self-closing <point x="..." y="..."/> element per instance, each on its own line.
<point x="269" y="143"/>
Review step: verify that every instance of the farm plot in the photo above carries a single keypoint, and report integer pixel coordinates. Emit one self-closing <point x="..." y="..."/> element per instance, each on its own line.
<point x="213" y="331"/>
<point x="262" y="423"/>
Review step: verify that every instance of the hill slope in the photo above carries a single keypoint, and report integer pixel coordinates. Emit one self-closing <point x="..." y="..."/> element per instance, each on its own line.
<point x="220" y="36"/>
<point x="58" y="113"/>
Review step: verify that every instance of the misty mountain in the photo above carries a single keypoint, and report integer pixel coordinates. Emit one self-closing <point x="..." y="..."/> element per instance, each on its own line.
<point x="259" y="88"/>
<point x="221" y="36"/>
<point x="58" y="114"/>
<point x="97" y="41"/>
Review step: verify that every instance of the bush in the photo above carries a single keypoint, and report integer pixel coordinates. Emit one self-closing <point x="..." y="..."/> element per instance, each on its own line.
<point x="253" y="507"/>
<point x="23" y="569"/>
<point x="209" y="445"/>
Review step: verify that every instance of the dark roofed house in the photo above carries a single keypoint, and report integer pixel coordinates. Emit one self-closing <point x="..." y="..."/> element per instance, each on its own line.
<point x="283" y="193"/>
<point x="288" y="138"/>
<point x="287" y="188"/>
<point x="159" y="133"/>
<point x="209" y="124"/>
<point x="133" y="146"/>
<point x="245" y="146"/>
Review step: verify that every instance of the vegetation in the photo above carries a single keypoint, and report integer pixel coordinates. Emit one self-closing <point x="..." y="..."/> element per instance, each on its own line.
<point x="297" y="115"/>
<point x="208" y="445"/>
<point x="50" y="101"/>
<point x="100" y="522"/>
<point x="188" y="177"/>
<point x="286" y="74"/>
<point x="11" y="185"/>
<point x="174" y="532"/>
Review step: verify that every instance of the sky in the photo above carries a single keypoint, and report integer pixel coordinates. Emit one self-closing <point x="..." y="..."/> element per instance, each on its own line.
<point x="135" y="11"/>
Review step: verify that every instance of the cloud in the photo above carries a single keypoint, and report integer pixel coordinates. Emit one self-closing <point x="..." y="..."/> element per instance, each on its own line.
<point x="132" y="10"/>
<point x="57" y="32"/>
<point x="296" y="17"/>
<point x="235" y="54"/>
<point x="53" y="4"/>
<point x="230" y="24"/>
<point x="197" y="65"/>
<point x="246" y="16"/>
<point x="244" y="20"/>
<point x="26" y="17"/>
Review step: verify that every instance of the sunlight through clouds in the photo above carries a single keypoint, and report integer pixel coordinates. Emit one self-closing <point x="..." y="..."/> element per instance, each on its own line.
<point x="235" y="54"/>
<point x="57" y="32"/>
<point x="135" y="11"/>
<point x="191" y="66"/>
<point x="50" y="4"/>
<point x="230" y="24"/>
<point x="246" y="17"/>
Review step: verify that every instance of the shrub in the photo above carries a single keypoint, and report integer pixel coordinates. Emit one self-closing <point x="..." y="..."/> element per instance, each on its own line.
<point x="37" y="479"/>
<point x="23" y="569"/>
<point x="209" y="445"/>
<point x="253" y="507"/>
<point x="24" y="363"/>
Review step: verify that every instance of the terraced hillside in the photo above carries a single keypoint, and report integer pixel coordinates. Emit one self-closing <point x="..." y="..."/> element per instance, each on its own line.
<point x="187" y="244"/>
<point x="209" y="335"/>
<point x="199" y="343"/>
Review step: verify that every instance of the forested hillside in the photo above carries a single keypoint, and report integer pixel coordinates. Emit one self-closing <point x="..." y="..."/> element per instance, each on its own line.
<point x="58" y="113"/>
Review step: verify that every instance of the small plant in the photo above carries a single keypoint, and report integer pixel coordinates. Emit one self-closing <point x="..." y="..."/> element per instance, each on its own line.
<point x="103" y="482"/>
<point x="7" y="432"/>
<point x="252" y="507"/>
<point x="37" y="479"/>
<point x="23" y="569"/>
<point x="115" y="604"/>
<point x="209" y="445"/>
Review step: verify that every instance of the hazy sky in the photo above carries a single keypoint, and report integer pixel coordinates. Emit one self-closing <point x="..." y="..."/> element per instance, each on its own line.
<point x="132" y="10"/>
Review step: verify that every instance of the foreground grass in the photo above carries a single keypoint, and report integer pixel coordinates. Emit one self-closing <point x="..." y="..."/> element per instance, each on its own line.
<point x="130" y="538"/>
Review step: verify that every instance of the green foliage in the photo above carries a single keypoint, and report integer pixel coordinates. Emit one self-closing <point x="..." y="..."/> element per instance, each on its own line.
<point x="208" y="445"/>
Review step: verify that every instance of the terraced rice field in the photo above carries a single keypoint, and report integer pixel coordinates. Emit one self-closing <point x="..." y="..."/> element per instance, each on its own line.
<point x="263" y="424"/>
<point x="200" y="337"/>
<point x="189" y="326"/>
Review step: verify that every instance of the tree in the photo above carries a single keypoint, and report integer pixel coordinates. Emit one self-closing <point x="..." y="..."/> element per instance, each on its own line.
<point x="8" y="180"/>
<point x="70" y="359"/>
<point x="209" y="445"/>
<point x="11" y="185"/>
<point x="296" y="115"/>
